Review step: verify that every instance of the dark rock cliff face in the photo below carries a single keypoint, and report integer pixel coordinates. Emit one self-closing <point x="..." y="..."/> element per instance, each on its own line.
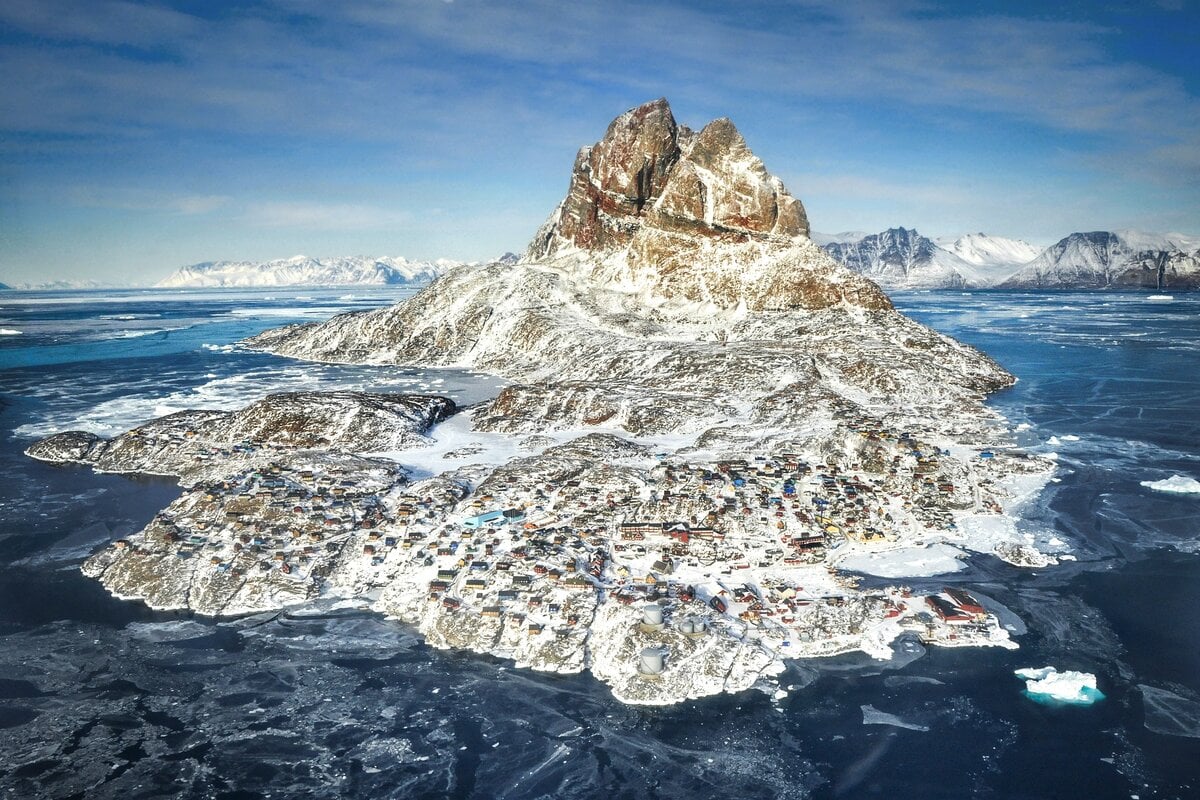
<point x="614" y="180"/>
<point x="720" y="186"/>
<point x="896" y="249"/>
<point x="648" y="170"/>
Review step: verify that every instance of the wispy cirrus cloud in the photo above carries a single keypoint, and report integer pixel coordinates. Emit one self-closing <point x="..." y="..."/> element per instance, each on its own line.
<point x="139" y="199"/>
<point x="325" y="216"/>
<point x="369" y="67"/>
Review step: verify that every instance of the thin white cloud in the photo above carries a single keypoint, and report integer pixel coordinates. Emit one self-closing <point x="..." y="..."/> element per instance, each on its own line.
<point x="325" y="216"/>
<point x="199" y="203"/>
<point x="139" y="199"/>
<point x="100" y="21"/>
<point x="869" y="188"/>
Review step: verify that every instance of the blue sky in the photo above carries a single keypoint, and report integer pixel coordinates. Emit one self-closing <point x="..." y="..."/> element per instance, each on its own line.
<point x="137" y="137"/>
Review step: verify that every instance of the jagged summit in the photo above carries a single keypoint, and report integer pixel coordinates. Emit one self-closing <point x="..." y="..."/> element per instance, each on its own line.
<point x="685" y="218"/>
<point x="903" y="258"/>
<point x="649" y="171"/>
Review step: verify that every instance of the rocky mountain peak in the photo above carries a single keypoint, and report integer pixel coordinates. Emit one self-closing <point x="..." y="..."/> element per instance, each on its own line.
<point x="650" y="171"/>
<point x="720" y="186"/>
<point x="630" y="165"/>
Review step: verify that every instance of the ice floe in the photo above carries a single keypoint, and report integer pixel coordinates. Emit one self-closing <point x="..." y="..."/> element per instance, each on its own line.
<point x="1169" y="713"/>
<point x="1068" y="686"/>
<point x="1176" y="484"/>
<point x="1055" y="441"/>
<point x="873" y="716"/>
<point x="905" y="562"/>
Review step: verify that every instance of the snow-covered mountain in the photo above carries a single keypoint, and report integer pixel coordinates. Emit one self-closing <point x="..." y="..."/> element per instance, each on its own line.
<point x="1114" y="260"/>
<point x="306" y="271"/>
<point x="845" y="237"/>
<point x="80" y="284"/>
<point x="674" y="286"/>
<point x="901" y="258"/>
<point x="994" y="257"/>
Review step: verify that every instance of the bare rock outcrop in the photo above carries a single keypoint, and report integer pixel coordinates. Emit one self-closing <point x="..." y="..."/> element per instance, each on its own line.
<point x="648" y="171"/>
<point x="193" y="445"/>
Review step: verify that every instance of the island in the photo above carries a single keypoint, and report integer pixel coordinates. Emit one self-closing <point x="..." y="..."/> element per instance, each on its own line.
<point x="721" y="429"/>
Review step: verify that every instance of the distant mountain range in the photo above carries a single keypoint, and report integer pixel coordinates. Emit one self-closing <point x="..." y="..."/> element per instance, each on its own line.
<point x="79" y="284"/>
<point x="306" y="271"/>
<point x="991" y="256"/>
<point x="1113" y="260"/>
<point x="901" y="258"/>
<point x="898" y="258"/>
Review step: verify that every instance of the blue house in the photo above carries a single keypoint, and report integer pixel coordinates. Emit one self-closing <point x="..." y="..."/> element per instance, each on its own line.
<point x="479" y="520"/>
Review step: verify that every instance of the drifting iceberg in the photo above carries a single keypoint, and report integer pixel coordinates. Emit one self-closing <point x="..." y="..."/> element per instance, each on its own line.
<point x="1048" y="684"/>
<point x="1178" y="484"/>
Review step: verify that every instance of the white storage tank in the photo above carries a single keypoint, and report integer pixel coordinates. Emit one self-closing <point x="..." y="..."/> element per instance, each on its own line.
<point x="652" y="661"/>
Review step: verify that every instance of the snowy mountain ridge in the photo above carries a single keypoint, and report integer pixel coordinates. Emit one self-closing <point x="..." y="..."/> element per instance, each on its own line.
<point x="1114" y="260"/>
<point x="306" y="271"/>
<point x="986" y="251"/>
<point x="845" y="237"/>
<point x="901" y="258"/>
<point x="674" y="253"/>
<point x="75" y="285"/>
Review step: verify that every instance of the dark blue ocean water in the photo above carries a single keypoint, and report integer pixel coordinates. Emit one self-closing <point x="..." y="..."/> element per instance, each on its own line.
<point x="102" y="698"/>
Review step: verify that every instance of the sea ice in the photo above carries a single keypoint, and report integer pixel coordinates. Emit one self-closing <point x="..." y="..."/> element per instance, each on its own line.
<point x="1170" y="714"/>
<point x="1177" y="484"/>
<point x="873" y="716"/>
<point x="905" y="562"/>
<point x="170" y="631"/>
<point x="1055" y="441"/>
<point x="896" y="681"/>
<point x="1069" y="686"/>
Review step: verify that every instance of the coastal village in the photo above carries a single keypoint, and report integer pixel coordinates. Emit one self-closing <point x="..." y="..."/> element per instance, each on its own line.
<point x="595" y="537"/>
